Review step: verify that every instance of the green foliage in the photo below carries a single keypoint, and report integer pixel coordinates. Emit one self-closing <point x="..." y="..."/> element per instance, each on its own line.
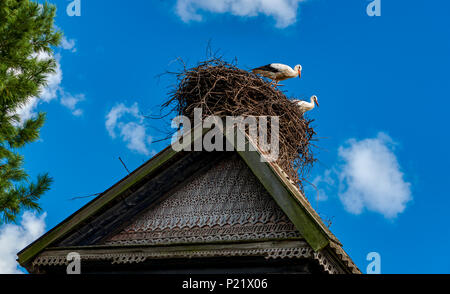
<point x="26" y="34"/>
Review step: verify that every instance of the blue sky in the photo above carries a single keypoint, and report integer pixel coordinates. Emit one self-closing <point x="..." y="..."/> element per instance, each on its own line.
<point x="382" y="84"/>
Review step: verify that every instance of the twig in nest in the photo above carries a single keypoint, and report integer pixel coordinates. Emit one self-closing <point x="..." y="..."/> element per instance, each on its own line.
<point x="222" y="89"/>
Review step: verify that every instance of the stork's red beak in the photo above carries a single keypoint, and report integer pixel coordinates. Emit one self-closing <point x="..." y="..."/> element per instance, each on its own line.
<point x="299" y="74"/>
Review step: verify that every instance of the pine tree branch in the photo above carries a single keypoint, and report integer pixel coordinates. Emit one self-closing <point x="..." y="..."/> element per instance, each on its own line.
<point x="26" y="28"/>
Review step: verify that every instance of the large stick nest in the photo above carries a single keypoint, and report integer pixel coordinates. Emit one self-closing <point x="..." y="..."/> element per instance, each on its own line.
<point x="222" y="89"/>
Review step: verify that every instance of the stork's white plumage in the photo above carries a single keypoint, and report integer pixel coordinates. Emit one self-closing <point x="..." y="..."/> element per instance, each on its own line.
<point x="279" y="72"/>
<point x="307" y="106"/>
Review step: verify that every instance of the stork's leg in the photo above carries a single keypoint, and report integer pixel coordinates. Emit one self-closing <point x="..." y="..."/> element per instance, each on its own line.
<point x="277" y="84"/>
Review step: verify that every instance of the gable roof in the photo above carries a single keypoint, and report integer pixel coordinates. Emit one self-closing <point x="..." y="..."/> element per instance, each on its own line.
<point x="276" y="182"/>
<point x="225" y="203"/>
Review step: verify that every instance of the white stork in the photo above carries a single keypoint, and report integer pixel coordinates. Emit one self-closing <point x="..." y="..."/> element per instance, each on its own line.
<point x="279" y="72"/>
<point x="307" y="106"/>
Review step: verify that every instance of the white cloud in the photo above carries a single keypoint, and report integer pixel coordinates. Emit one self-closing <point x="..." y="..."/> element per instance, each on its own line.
<point x="47" y="93"/>
<point x="116" y="113"/>
<point x="283" y="11"/>
<point x="371" y="178"/>
<point x="14" y="238"/>
<point x="130" y="124"/>
<point x="135" y="135"/>
<point x="28" y="110"/>
<point x="70" y="101"/>
<point x="68" y="44"/>
<point x="53" y="89"/>
<point x="322" y="185"/>
<point x="50" y="91"/>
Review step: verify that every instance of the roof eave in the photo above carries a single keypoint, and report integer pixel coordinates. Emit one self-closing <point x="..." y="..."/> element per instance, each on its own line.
<point x="284" y="192"/>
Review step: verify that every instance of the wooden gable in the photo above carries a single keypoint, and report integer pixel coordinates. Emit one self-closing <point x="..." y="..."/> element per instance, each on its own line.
<point x="214" y="208"/>
<point x="224" y="203"/>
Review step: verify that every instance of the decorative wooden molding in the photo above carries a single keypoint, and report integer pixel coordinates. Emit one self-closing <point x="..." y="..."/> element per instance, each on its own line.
<point x="138" y="254"/>
<point x="290" y="200"/>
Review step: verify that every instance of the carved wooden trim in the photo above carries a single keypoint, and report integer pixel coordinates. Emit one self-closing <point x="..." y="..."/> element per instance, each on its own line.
<point x="303" y="252"/>
<point x="225" y="203"/>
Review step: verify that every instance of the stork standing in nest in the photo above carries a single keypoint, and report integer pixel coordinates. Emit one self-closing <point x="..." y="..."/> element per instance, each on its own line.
<point x="278" y="72"/>
<point x="307" y="106"/>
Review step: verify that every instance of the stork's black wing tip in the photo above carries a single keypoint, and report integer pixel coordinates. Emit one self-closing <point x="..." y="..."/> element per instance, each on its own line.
<point x="267" y="67"/>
